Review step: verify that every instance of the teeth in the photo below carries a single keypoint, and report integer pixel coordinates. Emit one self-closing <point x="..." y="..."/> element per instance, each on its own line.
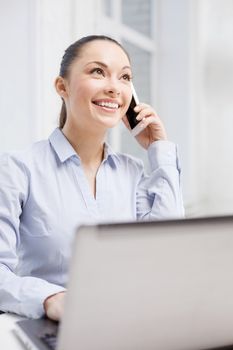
<point x="107" y="104"/>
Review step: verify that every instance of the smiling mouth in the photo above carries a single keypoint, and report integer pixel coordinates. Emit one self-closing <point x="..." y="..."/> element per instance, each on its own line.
<point x="108" y="105"/>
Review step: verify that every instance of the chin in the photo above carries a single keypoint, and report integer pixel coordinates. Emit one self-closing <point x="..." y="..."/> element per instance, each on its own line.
<point x="111" y="123"/>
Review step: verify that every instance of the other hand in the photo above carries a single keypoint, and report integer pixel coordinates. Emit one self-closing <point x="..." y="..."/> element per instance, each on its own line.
<point x="54" y="306"/>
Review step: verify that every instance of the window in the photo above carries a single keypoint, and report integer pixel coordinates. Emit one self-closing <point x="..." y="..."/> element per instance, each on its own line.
<point x="137" y="15"/>
<point x="108" y="7"/>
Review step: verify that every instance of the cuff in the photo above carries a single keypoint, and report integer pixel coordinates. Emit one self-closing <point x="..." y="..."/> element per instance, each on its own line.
<point x="163" y="153"/>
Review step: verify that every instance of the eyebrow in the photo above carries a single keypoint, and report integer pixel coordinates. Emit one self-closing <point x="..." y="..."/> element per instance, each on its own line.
<point x="105" y="65"/>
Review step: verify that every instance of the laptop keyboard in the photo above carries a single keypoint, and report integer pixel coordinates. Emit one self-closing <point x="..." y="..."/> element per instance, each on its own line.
<point x="50" y="340"/>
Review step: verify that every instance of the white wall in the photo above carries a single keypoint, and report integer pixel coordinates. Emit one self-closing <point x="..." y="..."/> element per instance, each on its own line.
<point x="216" y="26"/>
<point x="17" y="72"/>
<point x="195" y="97"/>
<point x="176" y="83"/>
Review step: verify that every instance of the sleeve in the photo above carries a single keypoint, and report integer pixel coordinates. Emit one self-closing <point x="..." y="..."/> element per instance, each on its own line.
<point x="21" y="295"/>
<point x="159" y="195"/>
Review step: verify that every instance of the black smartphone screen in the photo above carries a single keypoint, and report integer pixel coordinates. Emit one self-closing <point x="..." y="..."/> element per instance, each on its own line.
<point x="131" y="114"/>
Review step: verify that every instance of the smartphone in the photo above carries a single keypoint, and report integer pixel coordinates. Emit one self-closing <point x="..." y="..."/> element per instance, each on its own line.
<point x="131" y="114"/>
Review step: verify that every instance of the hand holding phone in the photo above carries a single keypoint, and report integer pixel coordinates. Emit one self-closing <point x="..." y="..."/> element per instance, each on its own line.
<point x="151" y="120"/>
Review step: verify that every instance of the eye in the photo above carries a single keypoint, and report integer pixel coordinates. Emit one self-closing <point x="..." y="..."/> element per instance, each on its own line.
<point x="98" y="71"/>
<point x="127" y="77"/>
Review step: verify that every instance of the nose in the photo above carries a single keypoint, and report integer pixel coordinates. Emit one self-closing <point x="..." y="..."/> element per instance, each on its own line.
<point x="112" y="88"/>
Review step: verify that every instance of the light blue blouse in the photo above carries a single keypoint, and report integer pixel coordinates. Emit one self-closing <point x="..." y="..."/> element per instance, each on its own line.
<point x="44" y="196"/>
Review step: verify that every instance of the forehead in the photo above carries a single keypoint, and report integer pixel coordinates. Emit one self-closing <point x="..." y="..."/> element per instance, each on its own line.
<point x="104" y="51"/>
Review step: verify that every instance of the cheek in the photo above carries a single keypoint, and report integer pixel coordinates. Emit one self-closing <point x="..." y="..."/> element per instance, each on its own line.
<point x="87" y="90"/>
<point x="127" y="97"/>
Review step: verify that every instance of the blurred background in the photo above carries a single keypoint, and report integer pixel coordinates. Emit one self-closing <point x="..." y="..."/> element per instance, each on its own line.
<point x="182" y="56"/>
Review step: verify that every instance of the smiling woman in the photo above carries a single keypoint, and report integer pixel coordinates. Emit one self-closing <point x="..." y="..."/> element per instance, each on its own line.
<point x="75" y="177"/>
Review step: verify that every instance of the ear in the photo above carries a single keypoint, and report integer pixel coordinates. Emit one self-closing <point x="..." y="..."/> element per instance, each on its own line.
<point x="61" y="86"/>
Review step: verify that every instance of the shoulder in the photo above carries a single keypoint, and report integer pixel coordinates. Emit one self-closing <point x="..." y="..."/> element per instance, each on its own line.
<point x="23" y="160"/>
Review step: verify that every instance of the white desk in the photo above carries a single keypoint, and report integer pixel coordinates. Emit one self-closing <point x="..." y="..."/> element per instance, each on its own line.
<point x="8" y="339"/>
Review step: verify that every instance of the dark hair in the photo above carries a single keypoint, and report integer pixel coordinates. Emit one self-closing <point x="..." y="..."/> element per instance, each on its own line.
<point x="71" y="53"/>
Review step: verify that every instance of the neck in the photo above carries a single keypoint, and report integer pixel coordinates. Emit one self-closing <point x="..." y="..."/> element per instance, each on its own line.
<point x="89" y="146"/>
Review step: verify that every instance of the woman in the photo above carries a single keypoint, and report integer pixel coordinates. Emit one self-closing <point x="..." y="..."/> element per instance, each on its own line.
<point x="75" y="177"/>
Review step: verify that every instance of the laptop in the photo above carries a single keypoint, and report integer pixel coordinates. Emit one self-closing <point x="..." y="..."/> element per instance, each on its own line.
<point x="145" y="285"/>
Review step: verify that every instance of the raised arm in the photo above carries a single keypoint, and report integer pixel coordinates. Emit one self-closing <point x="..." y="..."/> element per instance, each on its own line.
<point x="159" y="195"/>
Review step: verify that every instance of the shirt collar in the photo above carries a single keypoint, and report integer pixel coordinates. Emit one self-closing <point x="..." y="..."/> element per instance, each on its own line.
<point x="109" y="153"/>
<point x="61" y="145"/>
<point x="65" y="151"/>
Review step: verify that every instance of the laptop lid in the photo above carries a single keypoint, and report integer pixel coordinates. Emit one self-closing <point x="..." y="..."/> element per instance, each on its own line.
<point x="156" y="285"/>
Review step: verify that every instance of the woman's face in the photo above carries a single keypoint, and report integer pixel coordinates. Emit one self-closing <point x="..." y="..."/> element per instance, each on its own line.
<point x="98" y="90"/>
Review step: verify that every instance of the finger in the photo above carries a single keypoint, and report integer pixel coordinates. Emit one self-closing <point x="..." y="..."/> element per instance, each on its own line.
<point x="147" y="121"/>
<point x="141" y="106"/>
<point x="145" y="113"/>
